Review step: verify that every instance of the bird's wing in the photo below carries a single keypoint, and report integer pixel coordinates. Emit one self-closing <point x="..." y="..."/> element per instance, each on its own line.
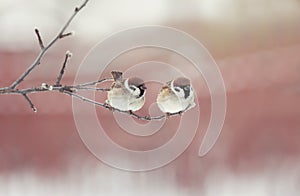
<point x="118" y="78"/>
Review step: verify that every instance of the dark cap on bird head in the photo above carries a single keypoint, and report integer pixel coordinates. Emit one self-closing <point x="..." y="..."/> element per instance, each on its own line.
<point x="138" y="82"/>
<point x="181" y="81"/>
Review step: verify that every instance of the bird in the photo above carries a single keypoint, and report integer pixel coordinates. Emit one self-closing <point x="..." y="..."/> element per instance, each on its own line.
<point x="176" y="96"/>
<point x="126" y="94"/>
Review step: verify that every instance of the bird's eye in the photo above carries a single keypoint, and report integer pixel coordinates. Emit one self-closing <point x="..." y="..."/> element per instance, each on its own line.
<point x="187" y="88"/>
<point x="132" y="88"/>
<point x="143" y="87"/>
<point x="177" y="89"/>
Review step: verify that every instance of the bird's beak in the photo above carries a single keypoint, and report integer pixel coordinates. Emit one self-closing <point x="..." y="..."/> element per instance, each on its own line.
<point x="143" y="87"/>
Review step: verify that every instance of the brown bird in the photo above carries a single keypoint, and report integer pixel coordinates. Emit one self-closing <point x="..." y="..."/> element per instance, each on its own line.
<point x="176" y="96"/>
<point x="126" y="94"/>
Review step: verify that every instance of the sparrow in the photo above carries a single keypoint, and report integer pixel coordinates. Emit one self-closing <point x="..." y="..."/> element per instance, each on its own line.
<point x="126" y="94"/>
<point x="176" y="96"/>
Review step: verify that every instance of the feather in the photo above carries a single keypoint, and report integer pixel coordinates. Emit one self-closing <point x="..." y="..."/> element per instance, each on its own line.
<point x="117" y="76"/>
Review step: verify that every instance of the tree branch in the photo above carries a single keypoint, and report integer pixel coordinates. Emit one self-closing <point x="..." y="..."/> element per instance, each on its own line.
<point x="67" y="89"/>
<point x="72" y="91"/>
<point x="37" y="61"/>
<point x="62" y="71"/>
<point x="30" y="102"/>
<point x="93" y="83"/>
<point x="147" y="118"/>
<point x="39" y="37"/>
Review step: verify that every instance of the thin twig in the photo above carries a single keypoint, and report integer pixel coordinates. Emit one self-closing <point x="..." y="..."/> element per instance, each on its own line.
<point x="93" y="83"/>
<point x="37" y="61"/>
<point x="37" y="32"/>
<point x="67" y="89"/>
<point x="30" y="102"/>
<point x="108" y="107"/>
<point x="147" y="118"/>
<point x="62" y="71"/>
<point x="86" y="99"/>
<point x="93" y="89"/>
<point x="66" y="34"/>
<point x="71" y="90"/>
<point x="45" y="87"/>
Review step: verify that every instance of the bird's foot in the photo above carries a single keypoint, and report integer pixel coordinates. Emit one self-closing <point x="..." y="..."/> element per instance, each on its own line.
<point x="167" y="115"/>
<point x="180" y="113"/>
<point x="148" y="117"/>
<point x="109" y="107"/>
<point x="131" y="112"/>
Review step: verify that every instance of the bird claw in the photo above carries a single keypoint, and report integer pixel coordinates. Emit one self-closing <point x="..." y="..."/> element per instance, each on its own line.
<point x="148" y="117"/>
<point x="109" y="107"/>
<point x="131" y="112"/>
<point x="167" y="115"/>
<point x="180" y="113"/>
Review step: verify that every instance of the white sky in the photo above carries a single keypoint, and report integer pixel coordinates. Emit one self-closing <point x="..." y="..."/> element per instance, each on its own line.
<point x="99" y="18"/>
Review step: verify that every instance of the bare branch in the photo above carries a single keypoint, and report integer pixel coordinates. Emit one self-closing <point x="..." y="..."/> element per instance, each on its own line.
<point x="71" y="90"/>
<point x="93" y="89"/>
<point x="107" y="106"/>
<point x="68" y="89"/>
<point x="66" y="34"/>
<point x="76" y="10"/>
<point x="86" y="99"/>
<point x="147" y="118"/>
<point x="30" y="102"/>
<point x="37" y="32"/>
<point x="93" y="83"/>
<point x="45" y="49"/>
<point x="45" y="87"/>
<point x="62" y="71"/>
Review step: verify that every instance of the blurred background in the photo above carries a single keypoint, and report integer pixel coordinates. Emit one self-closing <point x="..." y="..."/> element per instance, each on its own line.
<point x="256" y="44"/>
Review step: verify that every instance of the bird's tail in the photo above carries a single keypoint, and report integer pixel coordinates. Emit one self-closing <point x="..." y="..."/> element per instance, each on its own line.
<point x="117" y="76"/>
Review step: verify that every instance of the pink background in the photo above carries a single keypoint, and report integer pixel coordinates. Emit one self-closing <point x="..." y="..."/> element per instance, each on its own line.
<point x="257" y="153"/>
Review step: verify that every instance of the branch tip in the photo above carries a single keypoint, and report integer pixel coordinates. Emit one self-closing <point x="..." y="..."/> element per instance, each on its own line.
<point x="36" y="30"/>
<point x="44" y="49"/>
<point x="66" y="34"/>
<point x="62" y="70"/>
<point x="39" y="37"/>
<point x="30" y="102"/>
<point x="69" y="54"/>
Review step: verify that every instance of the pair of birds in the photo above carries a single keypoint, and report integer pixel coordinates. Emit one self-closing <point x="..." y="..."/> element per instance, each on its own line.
<point x="129" y="94"/>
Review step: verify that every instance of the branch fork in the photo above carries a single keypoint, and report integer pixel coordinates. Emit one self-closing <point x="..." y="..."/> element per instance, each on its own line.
<point x="58" y="86"/>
